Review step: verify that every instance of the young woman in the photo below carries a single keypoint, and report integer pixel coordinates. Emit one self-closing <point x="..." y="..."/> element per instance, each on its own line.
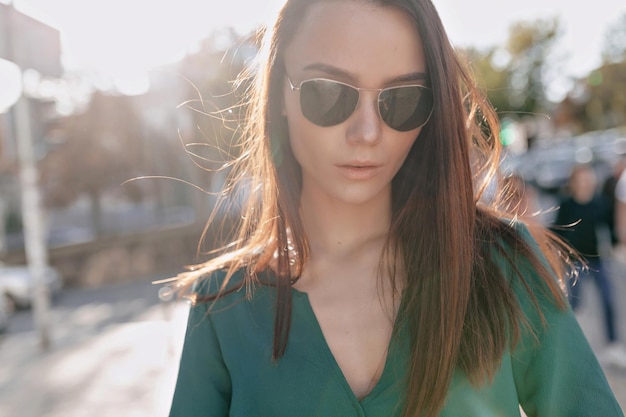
<point x="366" y="279"/>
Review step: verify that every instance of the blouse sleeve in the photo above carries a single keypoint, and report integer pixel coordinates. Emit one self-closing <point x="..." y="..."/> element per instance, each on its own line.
<point x="556" y="372"/>
<point x="203" y="386"/>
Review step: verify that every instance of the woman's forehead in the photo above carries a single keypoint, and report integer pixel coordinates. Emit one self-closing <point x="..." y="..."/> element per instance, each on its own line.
<point x="372" y="42"/>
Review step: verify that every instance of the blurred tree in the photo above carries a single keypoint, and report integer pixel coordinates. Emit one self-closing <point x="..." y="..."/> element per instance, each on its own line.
<point x="569" y="114"/>
<point x="598" y="101"/>
<point x="216" y="97"/>
<point x="515" y="75"/>
<point x="614" y="49"/>
<point x="530" y="45"/>
<point x="604" y="103"/>
<point x="493" y="77"/>
<point x="98" y="150"/>
<point x="109" y="142"/>
<point x="217" y="107"/>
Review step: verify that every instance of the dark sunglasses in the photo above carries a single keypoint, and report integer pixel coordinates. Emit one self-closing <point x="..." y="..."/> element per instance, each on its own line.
<point x="328" y="103"/>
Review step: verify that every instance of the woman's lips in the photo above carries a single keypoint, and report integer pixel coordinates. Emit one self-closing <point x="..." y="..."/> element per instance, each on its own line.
<point x="358" y="171"/>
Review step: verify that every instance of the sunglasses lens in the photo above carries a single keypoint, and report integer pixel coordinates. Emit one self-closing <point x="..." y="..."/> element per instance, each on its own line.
<point x="406" y="108"/>
<point x="327" y="103"/>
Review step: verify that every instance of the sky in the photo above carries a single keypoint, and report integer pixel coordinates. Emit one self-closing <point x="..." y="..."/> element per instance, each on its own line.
<point x="125" y="38"/>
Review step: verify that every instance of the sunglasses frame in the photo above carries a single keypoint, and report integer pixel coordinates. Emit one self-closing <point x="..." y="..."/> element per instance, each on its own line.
<point x="298" y="87"/>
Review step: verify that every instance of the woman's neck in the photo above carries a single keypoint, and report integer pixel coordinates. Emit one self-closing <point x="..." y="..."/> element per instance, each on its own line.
<point x="340" y="228"/>
<point x="347" y="244"/>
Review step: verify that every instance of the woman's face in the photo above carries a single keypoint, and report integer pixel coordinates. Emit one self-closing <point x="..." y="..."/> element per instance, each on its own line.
<point x="366" y="46"/>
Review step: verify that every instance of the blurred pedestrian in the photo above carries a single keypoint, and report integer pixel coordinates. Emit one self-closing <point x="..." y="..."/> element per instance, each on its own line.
<point x="620" y="208"/>
<point x="608" y="191"/>
<point x="581" y="214"/>
<point x="367" y="279"/>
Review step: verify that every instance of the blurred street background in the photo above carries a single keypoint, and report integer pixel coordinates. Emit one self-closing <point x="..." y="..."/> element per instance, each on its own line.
<point x="115" y="352"/>
<point x="118" y="118"/>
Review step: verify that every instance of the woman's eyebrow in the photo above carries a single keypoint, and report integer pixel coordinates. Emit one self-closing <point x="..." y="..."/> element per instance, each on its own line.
<point x="329" y="69"/>
<point x="332" y="70"/>
<point x="413" y="76"/>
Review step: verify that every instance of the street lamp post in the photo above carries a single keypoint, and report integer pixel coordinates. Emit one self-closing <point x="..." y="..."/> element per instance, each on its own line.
<point x="34" y="238"/>
<point x="32" y="213"/>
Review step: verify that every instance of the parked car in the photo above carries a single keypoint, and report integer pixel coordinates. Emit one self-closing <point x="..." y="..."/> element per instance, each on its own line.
<point x="17" y="285"/>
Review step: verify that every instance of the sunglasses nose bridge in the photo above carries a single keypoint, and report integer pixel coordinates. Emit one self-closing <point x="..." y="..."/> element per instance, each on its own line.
<point x="366" y="122"/>
<point x="371" y="95"/>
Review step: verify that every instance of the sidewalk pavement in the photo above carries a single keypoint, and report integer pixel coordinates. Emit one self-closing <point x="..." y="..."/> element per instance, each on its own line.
<point x="590" y="317"/>
<point x="129" y="369"/>
<point x="122" y="370"/>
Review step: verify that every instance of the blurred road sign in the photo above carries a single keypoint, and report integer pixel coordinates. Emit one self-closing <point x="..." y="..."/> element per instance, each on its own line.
<point x="10" y="85"/>
<point x="29" y="43"/>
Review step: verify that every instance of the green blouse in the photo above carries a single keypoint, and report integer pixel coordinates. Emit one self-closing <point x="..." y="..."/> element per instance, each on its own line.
<point x="226" y="368"/>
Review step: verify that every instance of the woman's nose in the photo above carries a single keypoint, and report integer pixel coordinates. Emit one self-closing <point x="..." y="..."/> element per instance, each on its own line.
<point x="365" y="123"/>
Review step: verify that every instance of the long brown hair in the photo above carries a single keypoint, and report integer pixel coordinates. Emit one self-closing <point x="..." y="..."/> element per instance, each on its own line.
<point x="458" y="308"/>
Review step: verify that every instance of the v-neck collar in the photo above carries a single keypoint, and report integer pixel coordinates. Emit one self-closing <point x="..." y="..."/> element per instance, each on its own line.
<point x="387" y="377"/>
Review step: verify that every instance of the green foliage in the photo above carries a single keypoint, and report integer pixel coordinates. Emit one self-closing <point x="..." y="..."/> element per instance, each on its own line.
<point x="605" y="104"/>
<point x="598" y="101"/>
<point x="514" y="75"/>
<point x="492" y="78"/>
<point x="530" y="45"/>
